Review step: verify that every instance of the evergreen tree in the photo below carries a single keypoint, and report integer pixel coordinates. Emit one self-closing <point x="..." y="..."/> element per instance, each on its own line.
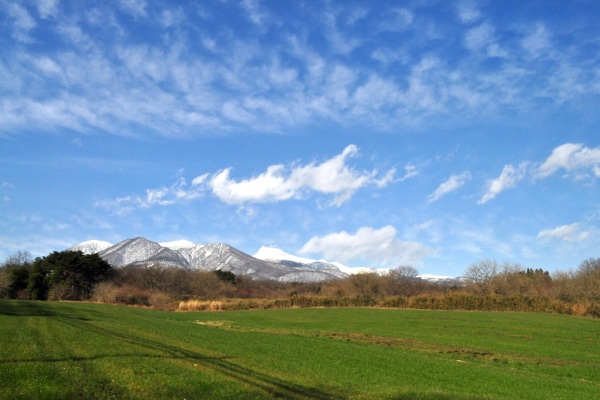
<point x="71" y="273"/>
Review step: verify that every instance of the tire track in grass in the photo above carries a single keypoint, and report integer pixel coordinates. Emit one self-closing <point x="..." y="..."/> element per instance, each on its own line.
<point x="250" y="377"/>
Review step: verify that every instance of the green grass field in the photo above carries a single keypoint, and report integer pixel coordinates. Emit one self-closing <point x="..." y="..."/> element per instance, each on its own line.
<point x="88" y="351"/>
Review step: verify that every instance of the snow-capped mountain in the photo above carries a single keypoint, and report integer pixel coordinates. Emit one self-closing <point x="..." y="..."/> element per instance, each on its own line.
<point x="267" y="263"/>
<point x="91" y="246"/>
<point x="142" y="251"/>
<point x="209" y="257"/>
<point x="274" y="254"/>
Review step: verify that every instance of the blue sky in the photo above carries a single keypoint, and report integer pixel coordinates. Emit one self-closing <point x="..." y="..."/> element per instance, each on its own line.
<point x="424" y="133"/>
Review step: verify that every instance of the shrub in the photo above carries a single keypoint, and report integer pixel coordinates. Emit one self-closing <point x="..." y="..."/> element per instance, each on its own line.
<point x="593" y="311"/>
<point x="105" y="292"/>
<point x="132" y="296"/>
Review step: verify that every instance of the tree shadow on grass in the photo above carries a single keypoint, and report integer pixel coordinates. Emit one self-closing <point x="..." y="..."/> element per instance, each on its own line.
<point x="35" y="308"/>
<point x="274" y="386"/>
<point x="24" y="308"/>
<point x="250" y="377"/>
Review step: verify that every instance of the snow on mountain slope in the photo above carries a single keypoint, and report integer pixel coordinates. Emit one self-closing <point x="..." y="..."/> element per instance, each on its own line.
<point x="209" y="257"/>
<point x="267" y="263"/>
<point x="91" y="246"/>
<point x="131" y="251"/>
<point x="276" y="255"/>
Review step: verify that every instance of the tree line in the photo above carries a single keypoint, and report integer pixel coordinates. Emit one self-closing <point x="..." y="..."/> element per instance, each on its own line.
<point x="485" y="285"/>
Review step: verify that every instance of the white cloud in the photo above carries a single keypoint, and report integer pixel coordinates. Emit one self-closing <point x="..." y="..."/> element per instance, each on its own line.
<point x="340" y="43"/>
<point x="538" y="41"/>
<point x="356" y="15"/>
<point x="572" y="158"/>
<point x="176" y="193"/>
<point x="453" y="183"/>
<point x="254" y="13"/>
<point x="279" y="183"/>
<point x="377" y="246"/>
<point x="47" y="8"/>
<point x="569" y="233"/>
<point x="136" y="8"/>
<point x="467" y="12"/>
<point x="411" y="171"/>
<point x="23" y="22"/>
<point x="479" y="37"/>
<point x="169" y="86"/>
<point x="271" y="185"/>
<point x="507" y="179"/>
<point x="171" y="18"/>
<point x="47" y="66"/>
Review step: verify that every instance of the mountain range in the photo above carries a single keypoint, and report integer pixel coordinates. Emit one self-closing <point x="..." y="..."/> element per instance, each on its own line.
<point x="267" y="263"/>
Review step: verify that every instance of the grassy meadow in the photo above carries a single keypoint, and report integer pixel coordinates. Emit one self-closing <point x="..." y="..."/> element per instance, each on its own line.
<point x="91" y="351"/>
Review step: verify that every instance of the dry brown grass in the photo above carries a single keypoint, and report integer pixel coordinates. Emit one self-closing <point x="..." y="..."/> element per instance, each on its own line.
<point x="200" y="305"/>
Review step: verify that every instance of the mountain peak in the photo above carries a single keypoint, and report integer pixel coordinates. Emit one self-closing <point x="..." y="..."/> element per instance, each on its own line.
<point x="91" y="246"/>
<point x="184" y="254"/>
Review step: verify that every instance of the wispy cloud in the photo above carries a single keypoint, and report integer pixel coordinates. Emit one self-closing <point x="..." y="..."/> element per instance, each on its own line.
<point x="453" y="183"/>
<point x="508" y="179"/>
<point x="47" y="8"/>
<point x="380" y="247"/>
<point x="482" y="40"/>
<point x="178" y="192"/>
<point x="23" y="22"/>
<point x="37" y="244"/>
<point x="166" y="84"/>
<point x="5" y="188"/>
<point x="538" y="41"/>
<point x="468" y="11"/>
<point x="252" y="7"/>
<point x="569" y="233"/>
<point x="137" y="8"/>
<point x="573" y="158"/>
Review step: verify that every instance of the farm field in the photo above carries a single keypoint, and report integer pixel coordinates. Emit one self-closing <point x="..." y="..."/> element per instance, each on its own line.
<point x="91" y="351"/>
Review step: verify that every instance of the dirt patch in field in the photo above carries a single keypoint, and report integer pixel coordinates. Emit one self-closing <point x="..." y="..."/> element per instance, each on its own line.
<point x="216" y="324"/>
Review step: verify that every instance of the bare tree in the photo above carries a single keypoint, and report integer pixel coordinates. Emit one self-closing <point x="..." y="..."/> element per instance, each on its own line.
<point x="366" y="284"/>
<point x="588" y="278"/>
<point x="511" y="279"/>
<point x="20" y="258"/>
<point x="481" y="274"/>
<point x="401" y="280"/>
<point x="565" y="288"/>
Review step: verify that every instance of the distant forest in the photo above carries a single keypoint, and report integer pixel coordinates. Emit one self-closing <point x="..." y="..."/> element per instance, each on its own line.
<point x="486" y="285"/>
